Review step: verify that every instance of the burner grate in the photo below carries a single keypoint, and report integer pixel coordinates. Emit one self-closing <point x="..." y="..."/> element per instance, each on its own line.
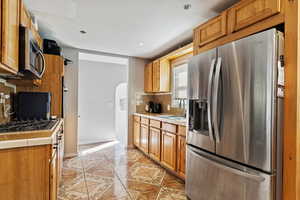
<point x="30" y="125"/>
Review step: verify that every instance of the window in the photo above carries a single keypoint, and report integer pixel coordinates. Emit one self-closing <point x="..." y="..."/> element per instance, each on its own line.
<point x="179" y="90"/>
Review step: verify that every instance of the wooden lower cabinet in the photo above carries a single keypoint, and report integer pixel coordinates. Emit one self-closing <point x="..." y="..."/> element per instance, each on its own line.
<point x="154" y="143"/>
<point x="168" y="150"/>
<point x="136" y="133"/>
<point x="53" y="177"/>
<point x="25" y="173"/>
<point x="144" y="138"/>
<point x="181" y="150"/>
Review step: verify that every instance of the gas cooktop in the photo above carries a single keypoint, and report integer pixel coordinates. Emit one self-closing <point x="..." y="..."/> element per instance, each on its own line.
<point x="30" y="125"/>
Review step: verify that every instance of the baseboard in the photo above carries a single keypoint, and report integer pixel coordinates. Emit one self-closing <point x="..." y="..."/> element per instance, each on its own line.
<point x="95" y="142"/>
<point x="70" y="155"/>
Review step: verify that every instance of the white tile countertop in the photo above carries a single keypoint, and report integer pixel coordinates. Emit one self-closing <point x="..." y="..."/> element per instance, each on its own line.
<point x="29" y="138"/>
<point x="165" y="118"/>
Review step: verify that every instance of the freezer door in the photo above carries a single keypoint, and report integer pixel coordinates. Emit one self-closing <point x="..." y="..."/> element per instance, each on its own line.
<point x="209" y="179"/>
<point x="198" y="74"/>
<point x="248" y="77"/>
<point x="200" y="70"/>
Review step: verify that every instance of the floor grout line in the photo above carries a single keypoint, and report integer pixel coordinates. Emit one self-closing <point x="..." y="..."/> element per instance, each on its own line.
<point x="87" y="189"/>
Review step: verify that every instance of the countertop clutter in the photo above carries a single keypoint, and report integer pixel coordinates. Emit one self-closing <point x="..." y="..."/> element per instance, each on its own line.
<point x="165" y="117"/>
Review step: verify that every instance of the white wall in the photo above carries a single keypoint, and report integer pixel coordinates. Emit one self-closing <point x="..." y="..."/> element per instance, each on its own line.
<point x="135" y="85"/>
<point x="70" y="102"/>
<point x="96" y="100"/>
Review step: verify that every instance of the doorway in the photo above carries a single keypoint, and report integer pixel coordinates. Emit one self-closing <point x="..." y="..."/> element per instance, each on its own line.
<point x="102" y="99"/>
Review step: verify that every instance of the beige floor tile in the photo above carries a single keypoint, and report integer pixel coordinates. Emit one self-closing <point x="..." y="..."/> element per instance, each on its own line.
<point x="152" y="174"/>
<point x="116" y="173"/>
<point x="172" y="182"/>
<point x="141" y="191"/>
<point x="170" y="194"/>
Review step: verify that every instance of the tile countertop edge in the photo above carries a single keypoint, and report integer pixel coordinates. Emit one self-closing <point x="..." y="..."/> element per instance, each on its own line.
<point x="18" y="143"/>
<point x="152" y="116"/>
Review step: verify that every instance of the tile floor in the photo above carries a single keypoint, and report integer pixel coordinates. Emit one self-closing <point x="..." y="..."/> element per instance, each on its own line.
<point x="109" y="172"/>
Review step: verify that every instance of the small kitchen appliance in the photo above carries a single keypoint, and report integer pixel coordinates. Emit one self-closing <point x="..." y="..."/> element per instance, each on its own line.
<point x="33" y="105"/>
<point x="31" y="57"/>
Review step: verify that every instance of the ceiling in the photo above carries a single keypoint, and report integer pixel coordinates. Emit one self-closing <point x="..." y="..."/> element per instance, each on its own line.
<point x="139" y="28"/>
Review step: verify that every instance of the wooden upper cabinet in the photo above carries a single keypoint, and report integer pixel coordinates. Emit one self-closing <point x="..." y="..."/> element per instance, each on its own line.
<point x="168" y="152"/>
<point x="156" y="76"/>
<point x="25" y="19"/>
<point x="10" y="34"/>
<point x="165" y="76"/>
<point x="154" y="143"/>
<point x="211" y="30"/>
<point x="248" y="12"/>
<point x="148" y="78"/>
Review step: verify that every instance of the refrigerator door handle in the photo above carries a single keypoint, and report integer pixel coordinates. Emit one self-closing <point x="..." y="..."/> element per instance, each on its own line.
<point x="215" y="99"/>
<point x="238" y="172"/>
<point x="209" y="99"/>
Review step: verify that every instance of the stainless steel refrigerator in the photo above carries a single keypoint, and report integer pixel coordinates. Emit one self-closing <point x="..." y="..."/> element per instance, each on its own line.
<point x="236" y="94"/>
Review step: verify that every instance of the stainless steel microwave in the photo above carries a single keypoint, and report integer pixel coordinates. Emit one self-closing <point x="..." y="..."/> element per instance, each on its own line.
<point x="32" y="61"/>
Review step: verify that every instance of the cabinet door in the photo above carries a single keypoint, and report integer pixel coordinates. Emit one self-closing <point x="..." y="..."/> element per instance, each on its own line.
<point x="144" y="138"/>
<point x="148" y="78"/>
<point x="248" y="12"/>
<point x="60" y="156"/>
<point x="156" y="76"/>
<point x="168" y="153"/>
<point x="10" y="34"/>
<point x="165" y="76"/>
<point x="136" y="133"/>
<point x="154" y="143"/>
<point x="211" y="30"/>
<point x="181" y="145"/>
<point x="53" y="177"/>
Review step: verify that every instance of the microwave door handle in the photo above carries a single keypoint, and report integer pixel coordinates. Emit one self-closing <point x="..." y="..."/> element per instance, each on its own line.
<point x="215" y="99"/>
<point x="209" y="99"/>
<point x="44" y="63"/>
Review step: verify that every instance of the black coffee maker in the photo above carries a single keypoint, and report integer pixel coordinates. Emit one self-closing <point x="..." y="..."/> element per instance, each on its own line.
<point x="154" y="107"/>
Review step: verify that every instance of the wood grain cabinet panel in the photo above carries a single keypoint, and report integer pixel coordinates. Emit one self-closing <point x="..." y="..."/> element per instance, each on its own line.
<point x="156" y="76"/>
<point x="25" y="19"/>
<point x="168" y="152"/>
<point x="24" y="173"/>
<point x="148" y="76"/>
<point x="248" y="12"/>
<point x="172" y="128"/>
<point x="211" y="30"/>
<point x="181" y="149"/>
<point x="154" y="143"/>
<point x="144" y="141"/>
<point x="155" y="123"/>
<point x="136" y="133"/>
<point x="145" y="120"/>
<point x="53" y="178"/>
<point x="165" y="75"/>
<point x="10" y="34"/>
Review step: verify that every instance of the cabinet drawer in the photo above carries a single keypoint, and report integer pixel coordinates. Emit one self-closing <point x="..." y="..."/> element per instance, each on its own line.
<point x="136" y="118"/>
<point x="182" y="131"/>
<point x="144" y="120"/>
<point x="211" y="30"/>
<point x="248" y="12"/>
<point x="155" y="123"/>
<point x="169" y="127"/>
